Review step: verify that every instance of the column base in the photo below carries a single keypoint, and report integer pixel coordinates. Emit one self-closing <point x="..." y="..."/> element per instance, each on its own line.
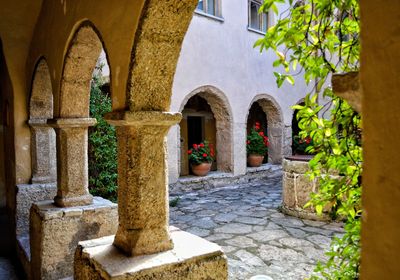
<point x="86" y="199"/>
<point x="55" y="233"/>
<point x="191" y="258"/>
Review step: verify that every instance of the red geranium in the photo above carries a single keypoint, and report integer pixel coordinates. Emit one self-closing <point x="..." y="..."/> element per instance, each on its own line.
<point x="200" y="153"/>
<point x="204" y="155"/>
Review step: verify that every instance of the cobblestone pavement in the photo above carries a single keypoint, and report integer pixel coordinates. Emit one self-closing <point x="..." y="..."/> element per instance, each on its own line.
<point x="256" y="237"/>
<point x="7" y="270"/>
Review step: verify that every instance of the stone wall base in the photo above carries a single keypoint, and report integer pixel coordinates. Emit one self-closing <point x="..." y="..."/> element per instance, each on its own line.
<point x="55" y="233"/>
<point x="219" y="179"/>
<point x="192" y="258"/>
<point x="28" y="194"/>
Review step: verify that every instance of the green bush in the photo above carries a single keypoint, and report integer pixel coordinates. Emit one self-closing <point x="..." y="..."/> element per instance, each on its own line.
<point x="102" y="145"/>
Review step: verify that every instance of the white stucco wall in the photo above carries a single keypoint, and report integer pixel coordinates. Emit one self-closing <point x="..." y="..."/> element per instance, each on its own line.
<point x="221" y="54"/>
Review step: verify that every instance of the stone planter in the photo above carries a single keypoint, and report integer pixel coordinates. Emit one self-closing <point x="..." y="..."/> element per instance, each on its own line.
<point x="201" y="169"/>
<point x="297" y="188"/>
<point x="254" y="160"/>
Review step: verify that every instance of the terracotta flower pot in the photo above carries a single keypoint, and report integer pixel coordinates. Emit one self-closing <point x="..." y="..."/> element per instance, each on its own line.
<point x="201" y="169"/>
<point x="254" y="160"/>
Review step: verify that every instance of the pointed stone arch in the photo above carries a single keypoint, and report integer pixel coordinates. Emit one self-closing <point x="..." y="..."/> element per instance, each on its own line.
<point x="72" y="122"/>
<point x="80" y="61"/>
<point x="275" y="128"/>
<point x="43" y="139"/>
<point x="222" y="112"/>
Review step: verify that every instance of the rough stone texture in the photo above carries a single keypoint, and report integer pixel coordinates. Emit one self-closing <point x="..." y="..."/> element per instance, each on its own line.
<point x="220" y="179"/>
<point x="80" y="61"/>
<point x="161" y="30"/>
<point x="142" y="182"/>
<point x="191" y="258"/>
<point x="26" y="195"/>
<point x="256" y="238"/>
<point x="72" y="161"/>
<point x="55" y="233"/>
<point x="43" y="150"/>
<point x="297" y="188"/>
<point x="347" y="86"/>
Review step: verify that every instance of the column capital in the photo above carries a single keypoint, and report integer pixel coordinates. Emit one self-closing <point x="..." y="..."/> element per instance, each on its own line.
<point x="143" y="118"/>
<point x="37" y="123"/>
<point x="71" y="122"/>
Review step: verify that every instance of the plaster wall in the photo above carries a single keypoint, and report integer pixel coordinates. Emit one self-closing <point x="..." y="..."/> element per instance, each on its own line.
<point x="220" y="53"/>
<point x="380" y="72"/>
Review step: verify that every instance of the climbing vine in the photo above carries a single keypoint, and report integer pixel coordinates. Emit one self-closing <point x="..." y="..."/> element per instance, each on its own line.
<point x="315" y="39"/>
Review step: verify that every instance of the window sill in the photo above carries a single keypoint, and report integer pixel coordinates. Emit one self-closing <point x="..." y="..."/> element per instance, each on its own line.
<point x="256" y="31"/>
<point x="201" y="13"/>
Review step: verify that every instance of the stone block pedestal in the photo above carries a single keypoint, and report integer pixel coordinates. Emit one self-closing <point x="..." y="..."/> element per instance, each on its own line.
<point x="191" y="258"/>
<point x="55" y="233"/>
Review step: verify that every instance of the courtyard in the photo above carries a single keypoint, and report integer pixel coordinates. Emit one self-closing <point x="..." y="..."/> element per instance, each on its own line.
<point x="258" y="240"/>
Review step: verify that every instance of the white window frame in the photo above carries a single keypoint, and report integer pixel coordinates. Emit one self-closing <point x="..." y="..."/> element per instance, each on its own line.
<point x="217" y="10"/>
<point x="263" y="18"/>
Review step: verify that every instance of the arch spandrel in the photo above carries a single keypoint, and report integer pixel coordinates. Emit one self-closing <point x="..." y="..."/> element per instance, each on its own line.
<point x="155" y="53"/>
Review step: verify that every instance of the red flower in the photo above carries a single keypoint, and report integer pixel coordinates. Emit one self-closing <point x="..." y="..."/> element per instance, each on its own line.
<point x="308" y="140"/>
<point x="257" y="124"/>
<point x="189" y="152"/>
<point x="248" y="142"/>
<point x="204" y="155"/>
<point x="195" y="146"/>
<point x="201" y="145"/>
<point x="257" y="127"/>
<point x="261" y="133"/>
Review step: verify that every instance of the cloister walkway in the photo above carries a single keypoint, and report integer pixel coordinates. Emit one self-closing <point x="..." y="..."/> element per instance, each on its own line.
<point x="243" y="219"/>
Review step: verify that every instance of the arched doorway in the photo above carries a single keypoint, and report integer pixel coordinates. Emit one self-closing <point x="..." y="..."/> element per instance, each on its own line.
<point x="265" y="110"/>
<point x="206" y="116"/>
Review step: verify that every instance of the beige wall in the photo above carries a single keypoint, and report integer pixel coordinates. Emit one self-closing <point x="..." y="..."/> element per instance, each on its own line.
<point x="380" y="77"/>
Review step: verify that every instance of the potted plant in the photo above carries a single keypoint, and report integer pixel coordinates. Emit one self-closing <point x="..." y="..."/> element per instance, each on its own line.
<point x="201" y="157"/>
<point x="300" y="145"/>
<point x="256" y="146"/>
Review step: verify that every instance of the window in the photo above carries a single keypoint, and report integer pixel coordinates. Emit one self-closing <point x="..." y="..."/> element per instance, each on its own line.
<point x="257" y="21"/>
<point x="211" y="7"/>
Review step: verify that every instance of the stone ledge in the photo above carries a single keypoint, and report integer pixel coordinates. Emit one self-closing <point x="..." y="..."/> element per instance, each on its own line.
<point x="47" y="210"/>
<point x="217" y="179"/>
<point x="191" y="258"/>
<point x="24" y="252"/>
<point x="55" y="233"/>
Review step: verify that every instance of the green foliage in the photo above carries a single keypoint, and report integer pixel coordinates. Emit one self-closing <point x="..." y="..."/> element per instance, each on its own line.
<point x="321" y="37"/>
<point x="102" y="145"/>
<point x="174" y="202"/>
<point x="203" y="152"/>
<point x="257" y="143"/>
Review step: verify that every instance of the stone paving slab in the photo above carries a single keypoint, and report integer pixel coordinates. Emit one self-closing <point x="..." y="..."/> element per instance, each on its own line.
<point x="244" y="220"/>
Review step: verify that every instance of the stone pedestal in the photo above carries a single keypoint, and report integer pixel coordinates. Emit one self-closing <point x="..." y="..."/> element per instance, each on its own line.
<point x="297" y="189"/>
<point x="43" y="150"/>
<point x="55" y="233"/>
<point x="72" y="161"/>
<point x="192" y="258"/>
<point x="142" y="181"/>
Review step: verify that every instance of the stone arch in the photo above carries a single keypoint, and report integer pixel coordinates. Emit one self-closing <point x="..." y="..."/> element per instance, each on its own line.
<point x="80" y="61"/>
<point x="222" y="112"/>
<point x="275" y="126"/>
<point x="43" y="142"/>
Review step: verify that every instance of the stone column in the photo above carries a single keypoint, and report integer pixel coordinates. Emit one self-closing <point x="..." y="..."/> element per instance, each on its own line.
<point x="72" y="161"/>
<point x="142" y="181"/>
<point x="43" y="151"/>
